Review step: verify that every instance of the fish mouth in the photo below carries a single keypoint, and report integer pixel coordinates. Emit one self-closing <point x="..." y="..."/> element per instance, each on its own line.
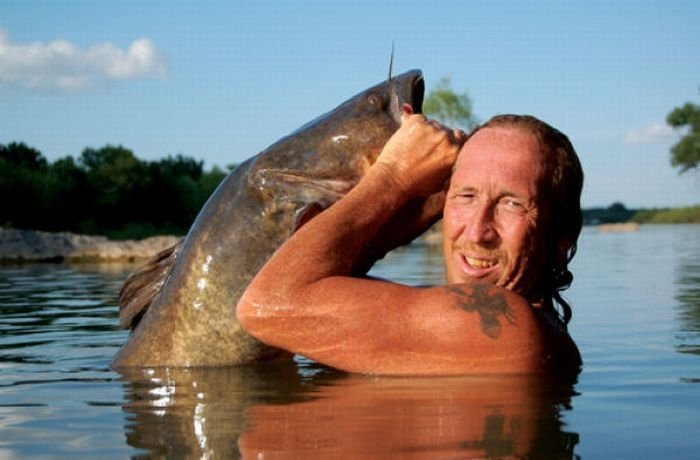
<point x="417" y="94"/>
<point x="407" y="89"/>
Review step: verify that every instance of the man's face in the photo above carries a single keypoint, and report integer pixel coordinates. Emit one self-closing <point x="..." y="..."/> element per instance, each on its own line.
<point x="493" y="213"/>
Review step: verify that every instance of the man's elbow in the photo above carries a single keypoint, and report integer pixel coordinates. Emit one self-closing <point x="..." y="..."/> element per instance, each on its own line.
<point x="257" y="314"/>
<point x="246" y="312"/>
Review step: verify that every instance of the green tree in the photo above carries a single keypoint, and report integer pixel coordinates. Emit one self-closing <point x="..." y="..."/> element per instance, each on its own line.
<point x="449" y="107"/>
<point x="210" y="180"/>
<point x="171" y="194"/>
<point x="19" y="154"/>
<point x="22" y="185"/>
<point x="116" y="178"/>
<point x="106" y="191"/>
<point x="686" y="153"/>
<point x="67" y="198"/>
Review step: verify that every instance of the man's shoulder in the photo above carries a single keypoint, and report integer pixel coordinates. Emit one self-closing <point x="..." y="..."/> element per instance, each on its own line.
<point x="562" y="354"/>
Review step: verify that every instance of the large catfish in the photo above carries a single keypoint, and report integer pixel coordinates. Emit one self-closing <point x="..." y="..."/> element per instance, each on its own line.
<point x="181" y="305"/>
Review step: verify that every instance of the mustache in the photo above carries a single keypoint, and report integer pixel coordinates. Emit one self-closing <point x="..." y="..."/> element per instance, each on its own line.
<point x="479" y="251"/>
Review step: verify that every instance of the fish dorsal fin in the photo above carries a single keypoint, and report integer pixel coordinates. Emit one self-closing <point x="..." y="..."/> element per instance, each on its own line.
<point x="142" y="286"/>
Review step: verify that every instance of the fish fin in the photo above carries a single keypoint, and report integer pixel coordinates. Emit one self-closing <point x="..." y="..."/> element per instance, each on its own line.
<point x="284" y="183"/>
<point x="292" y="191"/>
<point x="306" y="213"/>
<point x="142" y="286"/>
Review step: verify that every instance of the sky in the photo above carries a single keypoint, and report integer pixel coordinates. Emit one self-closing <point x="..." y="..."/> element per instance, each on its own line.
<point x="222" y="80"/>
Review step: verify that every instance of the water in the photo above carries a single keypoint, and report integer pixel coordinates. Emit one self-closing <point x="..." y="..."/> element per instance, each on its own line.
<point x="636" y="302"/>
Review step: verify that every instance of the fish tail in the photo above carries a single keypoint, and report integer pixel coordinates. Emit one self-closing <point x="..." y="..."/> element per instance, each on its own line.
<point x="141" y="287"/>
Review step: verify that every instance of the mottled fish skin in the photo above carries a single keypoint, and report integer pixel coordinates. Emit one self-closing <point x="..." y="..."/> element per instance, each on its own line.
<point x="191" y="319"/>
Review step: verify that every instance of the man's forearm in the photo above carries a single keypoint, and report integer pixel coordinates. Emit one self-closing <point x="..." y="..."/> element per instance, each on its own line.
<point x="412" y="220"/>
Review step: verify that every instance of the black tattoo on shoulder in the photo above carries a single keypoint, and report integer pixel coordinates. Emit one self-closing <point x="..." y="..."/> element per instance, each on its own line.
<point x="489" y="305"/>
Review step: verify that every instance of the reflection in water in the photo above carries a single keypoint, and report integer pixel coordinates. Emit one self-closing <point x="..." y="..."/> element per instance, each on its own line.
<point x="688" y="296"/>
<point x="307" y="411"/>
<point x="199" y="412"/>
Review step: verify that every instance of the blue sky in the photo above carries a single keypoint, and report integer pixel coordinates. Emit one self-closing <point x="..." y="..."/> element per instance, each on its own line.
<point x="221" y="81"/>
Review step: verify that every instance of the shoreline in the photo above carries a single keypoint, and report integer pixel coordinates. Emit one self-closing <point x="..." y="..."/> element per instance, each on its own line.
<point x="22" y="246"/>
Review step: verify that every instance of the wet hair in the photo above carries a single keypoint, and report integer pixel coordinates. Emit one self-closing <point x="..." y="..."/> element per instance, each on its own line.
<point x="561" y="184"/>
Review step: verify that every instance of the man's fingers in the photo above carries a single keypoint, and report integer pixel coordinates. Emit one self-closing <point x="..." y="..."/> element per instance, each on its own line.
<point x="456" y="135"/>
<point x="459" y="136"/>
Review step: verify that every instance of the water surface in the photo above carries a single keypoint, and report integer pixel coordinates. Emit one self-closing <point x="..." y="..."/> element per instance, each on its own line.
<point x="636" y="299"/>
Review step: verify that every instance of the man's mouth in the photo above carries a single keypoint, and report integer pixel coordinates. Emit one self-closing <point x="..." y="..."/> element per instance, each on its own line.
<point x="480" y="263"/>
<point x="478" y="267"/>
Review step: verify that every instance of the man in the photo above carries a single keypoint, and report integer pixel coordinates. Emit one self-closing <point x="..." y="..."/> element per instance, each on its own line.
<point x="511" y="220"/>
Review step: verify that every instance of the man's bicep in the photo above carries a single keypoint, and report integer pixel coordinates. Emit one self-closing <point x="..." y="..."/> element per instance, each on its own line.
<point x="383" y="327"/>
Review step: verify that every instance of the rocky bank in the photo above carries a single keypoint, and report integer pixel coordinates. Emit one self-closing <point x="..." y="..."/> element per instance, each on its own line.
<point x="36" y="246"/>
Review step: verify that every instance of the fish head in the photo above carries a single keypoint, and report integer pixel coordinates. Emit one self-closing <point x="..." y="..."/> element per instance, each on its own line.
<point x="355" y="132"/>
<point x="313" y="167"/>
<point x="325" y="158"/>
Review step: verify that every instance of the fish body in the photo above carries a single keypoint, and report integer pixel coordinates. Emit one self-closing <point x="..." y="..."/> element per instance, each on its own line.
<point x="181" y="305"/>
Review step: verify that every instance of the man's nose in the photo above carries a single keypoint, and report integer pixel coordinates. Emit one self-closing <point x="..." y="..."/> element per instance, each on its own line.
<point x="481" y="228"/>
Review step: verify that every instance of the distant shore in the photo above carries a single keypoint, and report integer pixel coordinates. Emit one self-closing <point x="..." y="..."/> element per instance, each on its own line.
<point x="621" y="227"/>
<point x="38" y="246"/>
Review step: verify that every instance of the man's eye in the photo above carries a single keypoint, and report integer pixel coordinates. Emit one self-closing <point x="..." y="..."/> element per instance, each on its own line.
<point x="513" y="205"/>
<point x="466" y="197"/>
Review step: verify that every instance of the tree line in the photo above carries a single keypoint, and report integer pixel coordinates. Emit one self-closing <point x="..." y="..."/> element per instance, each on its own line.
<point x="618" y="213"/>
<point x="106" y="191"/>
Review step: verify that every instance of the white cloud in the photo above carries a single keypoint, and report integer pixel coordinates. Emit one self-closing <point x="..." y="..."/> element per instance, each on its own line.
<point x="656" y="132"/>
<point x="60" y="65"/>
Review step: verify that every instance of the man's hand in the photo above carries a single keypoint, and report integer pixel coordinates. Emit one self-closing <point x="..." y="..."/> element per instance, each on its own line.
<point x="420" y="155"/>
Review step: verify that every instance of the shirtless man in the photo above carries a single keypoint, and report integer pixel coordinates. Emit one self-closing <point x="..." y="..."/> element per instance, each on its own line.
<point x="511" y="221"/>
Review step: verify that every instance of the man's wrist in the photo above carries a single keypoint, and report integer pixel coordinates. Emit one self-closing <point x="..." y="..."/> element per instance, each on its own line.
<point x="392" y="182"/>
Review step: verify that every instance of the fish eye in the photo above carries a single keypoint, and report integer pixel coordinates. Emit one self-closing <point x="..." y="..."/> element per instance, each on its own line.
<point x="376" y="101"/>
